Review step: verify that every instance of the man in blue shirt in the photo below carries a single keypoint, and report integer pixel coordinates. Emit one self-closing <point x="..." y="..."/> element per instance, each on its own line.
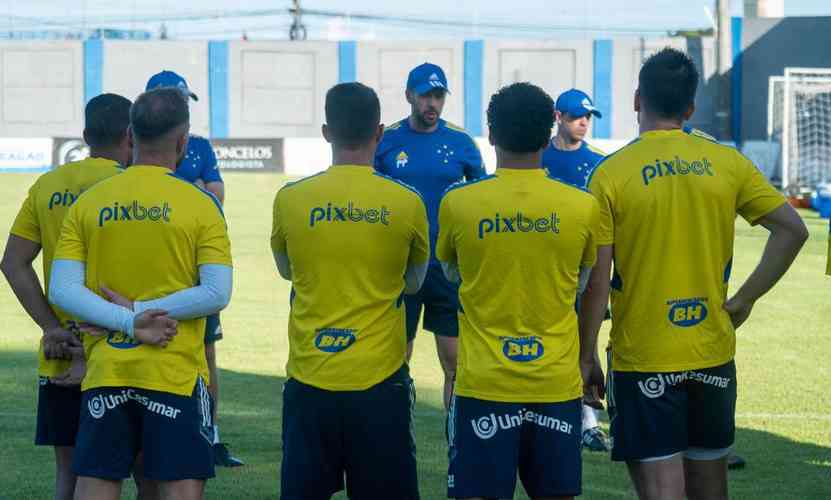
<point x="199" y="166"/>
<point x="568" y="156"/>
<point x="571" y="159"/>
<point x="430" y="154"/>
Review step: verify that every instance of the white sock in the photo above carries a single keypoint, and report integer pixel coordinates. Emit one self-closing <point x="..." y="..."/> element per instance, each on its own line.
<point x="216" y="434"/>
<point x="589" y="418"/>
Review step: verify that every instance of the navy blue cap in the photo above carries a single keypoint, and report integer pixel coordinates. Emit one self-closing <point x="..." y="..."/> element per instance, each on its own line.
<point x="170" y="79"/>
<point x="576" y="103"/>
<point x="426" y="77"/>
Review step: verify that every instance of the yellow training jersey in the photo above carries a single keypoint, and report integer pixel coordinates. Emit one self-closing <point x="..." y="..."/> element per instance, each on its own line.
<point x="349" y="234"/>
<point x="42" y="214"/>
<point x="519" y="239"/>
<point x="144" y="233"/>
<point x="668" y="204"/>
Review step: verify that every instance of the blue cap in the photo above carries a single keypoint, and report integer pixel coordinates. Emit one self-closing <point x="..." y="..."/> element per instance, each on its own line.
<point x="426" y="77"/>
<point x="576" y="103"/>
<point x="170" y="79"/>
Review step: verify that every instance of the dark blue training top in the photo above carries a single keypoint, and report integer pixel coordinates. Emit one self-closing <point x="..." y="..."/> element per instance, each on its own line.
<point x="199" y="162"/>
<point x="572" y="167"/>
<point x="429" y="162"/>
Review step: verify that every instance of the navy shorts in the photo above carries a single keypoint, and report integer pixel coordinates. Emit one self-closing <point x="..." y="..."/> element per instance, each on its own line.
<point x="363" y="435"/>
<point x="174" y="434"/>
<point x="661" y="414"/>
<point x="59" y="409"/>
<point x="490" y="441"/>
<point x="213" y="329"/>
<point x="440" y="300"/>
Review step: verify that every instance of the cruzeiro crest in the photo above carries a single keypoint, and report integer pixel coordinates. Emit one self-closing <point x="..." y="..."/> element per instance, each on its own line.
<point x="401" y="160"/>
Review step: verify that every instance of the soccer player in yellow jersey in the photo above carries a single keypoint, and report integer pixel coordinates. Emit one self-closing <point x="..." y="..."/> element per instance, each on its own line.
<point x="352" y="242"/>
<point x="36" y="228"/>
<point x="668" y="204"/>
<point x="521" y="243"/>
<point x="152" y="237"/>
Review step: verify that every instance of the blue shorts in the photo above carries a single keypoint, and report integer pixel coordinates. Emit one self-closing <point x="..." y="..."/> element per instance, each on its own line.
<point x="661" y="414"/>
<point x="490" y="441"/>
<point x="213" y="329"/>
<point x="59" y="409"/>
<point x="440" y="300"/>
<point x="365" y="436"/>
<point x="173" y="432"/>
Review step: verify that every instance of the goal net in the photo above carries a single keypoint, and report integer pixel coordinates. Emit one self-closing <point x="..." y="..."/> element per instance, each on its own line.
<point x="799" y="119"/>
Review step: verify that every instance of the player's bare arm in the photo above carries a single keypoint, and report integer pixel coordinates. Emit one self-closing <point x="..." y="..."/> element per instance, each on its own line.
<point x="592" y="312"/>
<point x="787" y="235"/>
<point x="20" y="253"/>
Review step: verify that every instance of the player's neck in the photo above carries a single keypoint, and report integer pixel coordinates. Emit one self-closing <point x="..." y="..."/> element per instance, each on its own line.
<point x="518" y="161"/>
<point x="421" y="128"/>
<point x="156" y="158"/>
<point x="361" y="156"/>
<point x="566" y="143"/>
<point x="648" y="123"/>
<point x="107" y="154"/>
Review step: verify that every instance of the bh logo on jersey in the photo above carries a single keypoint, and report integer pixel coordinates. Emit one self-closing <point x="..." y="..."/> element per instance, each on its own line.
<point x="522" y="349"/>
<point x="667" y="168"/>
<point x="334" y="339"/>
<point x="134" y="211"/>
<point x="519" y="224"/>
<point x="401" y="160"/>
<point x="349" y="213"/>
<point x="687" y="312"/>
<point x="121" y="340"/>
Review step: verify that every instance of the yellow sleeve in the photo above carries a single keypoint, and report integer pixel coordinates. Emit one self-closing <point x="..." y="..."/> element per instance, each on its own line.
<point x="278" y="235"/>
<point x="420" y="244"/>
<point x="602" y="189"/>
<point x="213" y="246"/>
<point x="71" y="243"/>
<point x="445" y="245"/>
<point x="26" y="224"/>
<point x="590" y="251"/>
<point x="757" y="197"/>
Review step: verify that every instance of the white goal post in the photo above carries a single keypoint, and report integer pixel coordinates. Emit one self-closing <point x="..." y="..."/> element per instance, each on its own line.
<point x="799" y="117"/>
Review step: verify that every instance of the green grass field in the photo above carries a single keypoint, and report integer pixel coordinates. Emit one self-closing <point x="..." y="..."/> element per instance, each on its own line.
<point x="784" y="408"/>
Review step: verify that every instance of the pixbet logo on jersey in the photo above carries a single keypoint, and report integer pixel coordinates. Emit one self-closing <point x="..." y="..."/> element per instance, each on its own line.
<point x="664" y="168"/>
<point x="349" y="213"/>
<point x="519" y="223"/>
<point x="65" y="199"/>
<point x="687" y="312"/>
<point x="134" y="211"/>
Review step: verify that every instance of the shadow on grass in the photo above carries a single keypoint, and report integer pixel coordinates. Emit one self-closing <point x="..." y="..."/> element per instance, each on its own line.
<point x="250" y="423"/>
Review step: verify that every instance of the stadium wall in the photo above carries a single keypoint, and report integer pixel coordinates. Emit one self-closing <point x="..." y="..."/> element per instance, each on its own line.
<point x="276" y="89"/>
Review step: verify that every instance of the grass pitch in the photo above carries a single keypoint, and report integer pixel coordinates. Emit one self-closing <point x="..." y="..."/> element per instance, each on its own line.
<point x="784" y="407"/>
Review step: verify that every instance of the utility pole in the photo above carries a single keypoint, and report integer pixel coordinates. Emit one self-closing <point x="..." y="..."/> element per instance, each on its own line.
<point x="724" y="61"/>
<point x="298" y="29"/>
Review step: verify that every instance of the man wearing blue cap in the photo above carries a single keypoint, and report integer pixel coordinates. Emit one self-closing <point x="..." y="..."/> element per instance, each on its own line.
<point x="199" y="166"/>
<point x="568" y="156"/>
<point x="571" y="159"/>
<point x="431" y="154"/>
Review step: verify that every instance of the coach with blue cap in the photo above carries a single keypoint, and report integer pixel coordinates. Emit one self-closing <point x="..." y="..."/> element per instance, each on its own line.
<point x="430" y="154"/>
<point x="199" y="166"/>
<point x="568" y="156"/>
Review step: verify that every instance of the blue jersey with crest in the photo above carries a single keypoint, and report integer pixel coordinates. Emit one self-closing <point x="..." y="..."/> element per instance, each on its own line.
<point x="199" y="162"/>
<point x="430" y="162"/>
<point x="572" y="167"/>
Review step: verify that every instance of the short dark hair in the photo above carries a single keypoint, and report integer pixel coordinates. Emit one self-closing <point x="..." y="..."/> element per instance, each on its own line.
<point x="667" y="83"/>
<point x="106" y="118"/>
<point x="520" y="118"/>
<point x="353" y="114"/>
<point x="157" y="112"/>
